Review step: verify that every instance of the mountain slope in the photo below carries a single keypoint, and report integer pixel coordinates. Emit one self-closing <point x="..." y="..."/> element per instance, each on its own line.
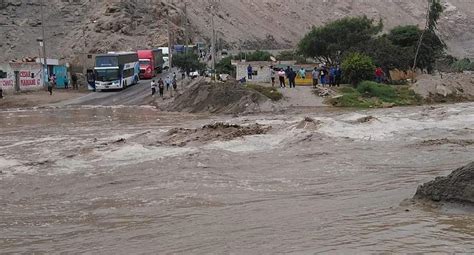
<point x="75" y="26"/>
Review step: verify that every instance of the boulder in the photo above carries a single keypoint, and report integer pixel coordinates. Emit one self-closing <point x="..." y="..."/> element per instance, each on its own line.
<point x="458" y="187"/>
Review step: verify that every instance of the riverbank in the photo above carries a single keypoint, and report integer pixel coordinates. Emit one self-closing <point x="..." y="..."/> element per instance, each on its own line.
<point x="38" y="98"/>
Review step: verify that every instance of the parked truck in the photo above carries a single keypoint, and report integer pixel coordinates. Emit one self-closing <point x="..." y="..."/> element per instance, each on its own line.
<point x="151" y="63"/>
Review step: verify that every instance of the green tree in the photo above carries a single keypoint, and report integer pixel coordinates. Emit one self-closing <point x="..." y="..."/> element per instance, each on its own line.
<point x="339" y="38"/>
<point x="435" y="10"/>
<point x="291" y="55"/>
<point x="358" y="67"/>
<point x="188" y="62"/>
<point x="431" y="48"/>
<point x="387" y="55"/>
<point x="225" y="66"/>
<point x="254" y="56"/>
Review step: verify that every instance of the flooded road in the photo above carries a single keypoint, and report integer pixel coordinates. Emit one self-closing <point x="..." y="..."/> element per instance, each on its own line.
<point x="98" y="180"/>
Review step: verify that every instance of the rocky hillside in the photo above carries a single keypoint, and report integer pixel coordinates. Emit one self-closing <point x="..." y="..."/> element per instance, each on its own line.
<point x="98" y="26"/>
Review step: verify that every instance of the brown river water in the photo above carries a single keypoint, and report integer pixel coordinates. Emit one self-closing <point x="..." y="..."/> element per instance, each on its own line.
<point x="69" y="184"/>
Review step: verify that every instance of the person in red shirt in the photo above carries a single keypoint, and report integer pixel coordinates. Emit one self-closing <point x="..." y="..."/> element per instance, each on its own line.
<point x="379" y="74"/>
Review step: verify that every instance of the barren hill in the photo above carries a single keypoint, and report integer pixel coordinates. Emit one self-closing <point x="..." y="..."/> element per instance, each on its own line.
<point x="75" y="26"/>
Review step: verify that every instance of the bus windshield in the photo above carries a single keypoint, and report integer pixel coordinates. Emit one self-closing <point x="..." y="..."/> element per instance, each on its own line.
<point x="107" y="75"/>
<point x="106" y="61"/>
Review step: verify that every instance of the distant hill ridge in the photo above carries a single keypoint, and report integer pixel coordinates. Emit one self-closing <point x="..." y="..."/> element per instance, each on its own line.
<point x="76" y="26"/>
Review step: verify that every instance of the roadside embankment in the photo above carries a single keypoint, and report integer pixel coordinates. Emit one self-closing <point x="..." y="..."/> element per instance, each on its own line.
<point x="37" y="98"/>
<point x="445" y="88"/>
<point x="221" y="98"/>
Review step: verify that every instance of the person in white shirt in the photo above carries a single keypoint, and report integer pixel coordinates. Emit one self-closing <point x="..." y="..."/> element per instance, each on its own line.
<point x="281" y="76"/>
<point x="153" y="88"/>
<point x="272" y="75"/>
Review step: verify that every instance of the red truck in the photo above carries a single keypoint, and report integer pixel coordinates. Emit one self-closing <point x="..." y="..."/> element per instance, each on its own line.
<point x="151" y="63"/>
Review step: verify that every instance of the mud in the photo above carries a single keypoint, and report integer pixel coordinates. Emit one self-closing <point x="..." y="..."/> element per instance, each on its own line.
<point x="458" y="187"/>
<point x="443" y="141"/>
<point x="210" y="133"/>
<point x="223" y="98"/>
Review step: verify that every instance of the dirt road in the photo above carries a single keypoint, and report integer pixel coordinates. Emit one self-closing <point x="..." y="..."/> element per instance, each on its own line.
<point x="139" y="94"/>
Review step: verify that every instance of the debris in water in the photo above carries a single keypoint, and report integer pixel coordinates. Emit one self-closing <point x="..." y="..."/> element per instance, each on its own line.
<point x="309" y="124"/>
<point x="362" y="120"/>
<point x="213" y="132"/>
<point x="463" y="143"/>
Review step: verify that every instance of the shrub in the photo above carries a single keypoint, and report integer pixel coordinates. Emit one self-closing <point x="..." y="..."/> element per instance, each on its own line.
<point x="269" y="92"/>
<point x="463" y="65"/>
<point x="254" y="56"/>
<point x="372" y="89"/>
<point x="225" y="66"/>
<point x="371" y="94"/>
<point x="358" y="67"/>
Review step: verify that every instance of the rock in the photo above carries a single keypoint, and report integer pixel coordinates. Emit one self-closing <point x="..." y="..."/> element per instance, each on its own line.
<point x="458" y="187"/>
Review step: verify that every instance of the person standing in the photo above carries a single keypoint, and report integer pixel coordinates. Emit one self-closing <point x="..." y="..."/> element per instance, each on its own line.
<point x="332" y="76"/>
<point x="249" y="71"/>
<point x="302" y="73"/>
<point x="338" y="75"/>
<point x="74" y="81"/>
<point x="168" y="83"/>
<point x="175" y="84"/>
<point x="281" y="77"/>
<point x="322" y="75"/>
<point x="315" y="76"/>
<point x="292" y="78"/>
<point x="50" y="85"/>
<point x="161" y="88"/>
<point x="379" y="74"/>
<point x="153" y="88"/>
<point x="272" y="75"/>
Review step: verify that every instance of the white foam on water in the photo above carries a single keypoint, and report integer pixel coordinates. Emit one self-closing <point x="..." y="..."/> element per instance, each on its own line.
<point x="138" y="152"/>
<point x="392" y="124"/>
<point x="10" y="167"/>
<point x="250" y="143"/>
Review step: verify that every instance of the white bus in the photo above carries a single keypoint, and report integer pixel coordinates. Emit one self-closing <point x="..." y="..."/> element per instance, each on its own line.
<point x="116" y="70"/>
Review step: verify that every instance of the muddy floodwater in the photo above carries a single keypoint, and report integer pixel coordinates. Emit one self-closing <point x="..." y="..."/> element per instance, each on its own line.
<point x="98" y="180"/>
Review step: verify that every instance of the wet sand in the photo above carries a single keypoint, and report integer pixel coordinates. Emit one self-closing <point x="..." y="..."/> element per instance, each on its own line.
<point x="92" y="179"/>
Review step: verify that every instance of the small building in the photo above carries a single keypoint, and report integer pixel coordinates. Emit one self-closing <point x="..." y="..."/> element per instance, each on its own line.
<point x="25" y="76"/>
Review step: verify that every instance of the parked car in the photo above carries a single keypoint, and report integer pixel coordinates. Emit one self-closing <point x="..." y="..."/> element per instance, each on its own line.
<point x="194" y="74"/>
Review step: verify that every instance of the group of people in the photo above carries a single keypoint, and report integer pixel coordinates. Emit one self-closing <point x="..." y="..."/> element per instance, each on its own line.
<point x="331" y="76"/>
<point x="288" y="73"/>
<point x="162" y="84"/>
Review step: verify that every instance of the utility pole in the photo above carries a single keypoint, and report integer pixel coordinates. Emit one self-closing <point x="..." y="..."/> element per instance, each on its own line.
<point x="186" y="35"/>
<point x="213" y="42"/>
<point x="45" y="63"/>
<point x="170" y="53"/>
<point x="84" y="68"/>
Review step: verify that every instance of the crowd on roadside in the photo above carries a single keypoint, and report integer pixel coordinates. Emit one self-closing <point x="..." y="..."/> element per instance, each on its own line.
<point x="330" y="76"/>
<point x="326" y="76"/>
<point x="170" y="83"/>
